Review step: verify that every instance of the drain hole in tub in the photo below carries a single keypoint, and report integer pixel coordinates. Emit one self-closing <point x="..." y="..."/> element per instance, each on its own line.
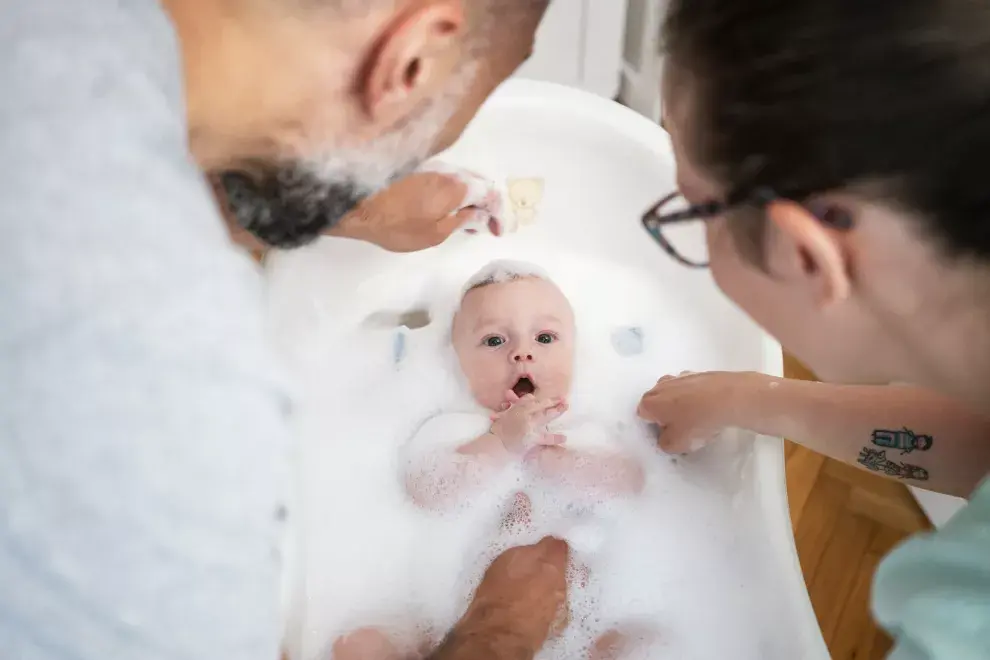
<point x="413" y="319"/>
<point x="628" y="341"/>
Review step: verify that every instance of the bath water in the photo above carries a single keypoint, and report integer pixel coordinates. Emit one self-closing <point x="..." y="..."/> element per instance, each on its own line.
<point x="682" y="560"/>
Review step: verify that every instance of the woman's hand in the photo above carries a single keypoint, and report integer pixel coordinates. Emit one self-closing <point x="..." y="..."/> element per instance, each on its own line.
<point x="693" y="408"/>
<point x="520" y="602"/>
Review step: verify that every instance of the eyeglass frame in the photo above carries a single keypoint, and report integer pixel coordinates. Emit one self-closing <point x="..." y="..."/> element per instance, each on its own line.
<point x="653" y="221"/>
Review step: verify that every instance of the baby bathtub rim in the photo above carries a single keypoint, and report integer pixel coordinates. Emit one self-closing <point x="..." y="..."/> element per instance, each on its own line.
<point x="768" y="452"/>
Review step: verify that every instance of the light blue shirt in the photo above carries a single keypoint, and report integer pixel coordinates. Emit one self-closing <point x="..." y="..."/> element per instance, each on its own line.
<point x="144" y="449"/>
<point x="933" y="592"/>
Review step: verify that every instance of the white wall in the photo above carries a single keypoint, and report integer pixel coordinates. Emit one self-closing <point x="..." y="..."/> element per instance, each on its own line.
<point x="580" y="44"/>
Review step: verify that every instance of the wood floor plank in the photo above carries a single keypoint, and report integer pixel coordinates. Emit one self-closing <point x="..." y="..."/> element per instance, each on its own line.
<point x="803" y="467"/>
<point x="817" y="523"/>
<point x="854" y="624"/>
<point x="836" y="573"/>
<point x="888" y="511"/>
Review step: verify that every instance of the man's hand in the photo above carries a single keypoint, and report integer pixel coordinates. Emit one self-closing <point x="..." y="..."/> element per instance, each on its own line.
<point x="414" y="213"/>
<point x="523" y="425"/>
<point x="520" y="600"/>
<point x="693" y="408"/>
<point x="423" y="209"/>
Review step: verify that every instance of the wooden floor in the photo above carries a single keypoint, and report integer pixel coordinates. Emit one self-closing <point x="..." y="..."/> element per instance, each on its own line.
<point x="844" y="521"/>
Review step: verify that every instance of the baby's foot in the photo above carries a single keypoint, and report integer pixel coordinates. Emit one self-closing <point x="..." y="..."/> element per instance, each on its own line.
<point x="483" y="208"/>
<point x="364" y="644"/>
<point x="627" y="642"/>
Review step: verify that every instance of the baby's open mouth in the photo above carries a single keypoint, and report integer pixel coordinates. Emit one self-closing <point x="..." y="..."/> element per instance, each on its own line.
<point x="523" y="387"/>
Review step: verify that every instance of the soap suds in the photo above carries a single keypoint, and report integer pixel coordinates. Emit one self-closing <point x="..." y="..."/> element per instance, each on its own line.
<point x="686" y="556"/>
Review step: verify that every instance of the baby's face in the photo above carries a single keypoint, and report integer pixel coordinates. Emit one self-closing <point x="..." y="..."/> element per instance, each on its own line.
<point x="517" y="336"/>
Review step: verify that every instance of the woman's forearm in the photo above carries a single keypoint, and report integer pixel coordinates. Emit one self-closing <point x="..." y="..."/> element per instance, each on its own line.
<point x="902" y="432"/>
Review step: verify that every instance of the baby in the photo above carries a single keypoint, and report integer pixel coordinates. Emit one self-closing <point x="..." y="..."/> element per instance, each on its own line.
<point x="513" y="335"/>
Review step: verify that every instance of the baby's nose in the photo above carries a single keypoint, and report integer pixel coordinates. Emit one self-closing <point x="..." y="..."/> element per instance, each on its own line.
<point x="522" y="356"/>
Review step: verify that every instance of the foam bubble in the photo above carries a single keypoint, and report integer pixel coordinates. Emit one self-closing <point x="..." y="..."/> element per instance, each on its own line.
<point x="681" y="557"/>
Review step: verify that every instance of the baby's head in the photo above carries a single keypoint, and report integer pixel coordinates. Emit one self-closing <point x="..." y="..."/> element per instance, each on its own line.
<point x="514" y="330"/>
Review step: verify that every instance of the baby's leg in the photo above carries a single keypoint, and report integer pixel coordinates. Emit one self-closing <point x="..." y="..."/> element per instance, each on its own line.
<point x="375" y="644"/>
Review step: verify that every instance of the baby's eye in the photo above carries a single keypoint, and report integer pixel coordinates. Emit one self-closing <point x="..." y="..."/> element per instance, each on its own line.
<point x="493" y="341"/>
<point x="546" y="337"/>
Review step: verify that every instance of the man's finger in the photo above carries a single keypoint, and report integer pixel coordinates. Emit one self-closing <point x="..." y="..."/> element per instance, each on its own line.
<point x="554" y="551"/>
<point x="469" y="220"/>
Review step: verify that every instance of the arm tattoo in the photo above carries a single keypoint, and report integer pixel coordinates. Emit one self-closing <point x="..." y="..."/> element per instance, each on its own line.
<point x="904" y="439"/>
<point x="876" y="460"/>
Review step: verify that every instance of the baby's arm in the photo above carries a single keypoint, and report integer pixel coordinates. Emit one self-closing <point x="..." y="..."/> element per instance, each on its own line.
<point x="438" y="472"/>
<point x="439" y="465"/>
<point x="608" y="472"/>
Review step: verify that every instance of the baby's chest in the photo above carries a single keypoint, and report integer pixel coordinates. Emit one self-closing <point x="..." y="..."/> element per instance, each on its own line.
<point x="584" y="434"/>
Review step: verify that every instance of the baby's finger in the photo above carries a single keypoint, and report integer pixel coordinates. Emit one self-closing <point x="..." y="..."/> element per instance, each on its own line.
<point x="511" y="397"/>
<point x="549" y="414"/>
<point x="550" y="439"/>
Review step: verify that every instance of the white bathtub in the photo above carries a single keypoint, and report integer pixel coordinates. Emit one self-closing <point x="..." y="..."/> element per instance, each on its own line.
<point x="603" y="165"/>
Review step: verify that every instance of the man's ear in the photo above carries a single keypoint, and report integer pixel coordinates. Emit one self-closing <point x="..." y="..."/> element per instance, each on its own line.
<point x="418" y="49"/>
<point x="806" y="252"/>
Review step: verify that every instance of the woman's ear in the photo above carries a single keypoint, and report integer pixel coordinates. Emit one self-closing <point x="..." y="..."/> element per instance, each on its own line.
<point x="419" y="48"/>
<point x="804" y="251"/>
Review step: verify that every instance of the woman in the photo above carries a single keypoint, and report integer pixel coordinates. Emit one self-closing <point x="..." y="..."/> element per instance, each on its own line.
<point x="835" y="154"/>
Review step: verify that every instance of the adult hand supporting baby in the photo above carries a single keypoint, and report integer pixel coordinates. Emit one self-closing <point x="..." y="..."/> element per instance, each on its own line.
<point x="520" y="601"/>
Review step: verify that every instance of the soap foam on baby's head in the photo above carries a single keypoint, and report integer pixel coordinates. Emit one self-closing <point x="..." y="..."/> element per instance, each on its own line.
<point x="514" y="331"/>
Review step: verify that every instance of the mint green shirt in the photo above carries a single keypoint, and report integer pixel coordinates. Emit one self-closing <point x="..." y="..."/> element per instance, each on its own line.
<point x="933" y="592"/>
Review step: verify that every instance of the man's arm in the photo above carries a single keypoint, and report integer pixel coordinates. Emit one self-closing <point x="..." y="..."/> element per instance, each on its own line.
<point x="520" y="602"/>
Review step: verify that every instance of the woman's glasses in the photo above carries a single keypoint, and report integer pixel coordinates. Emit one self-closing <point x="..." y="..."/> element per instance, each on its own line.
<point x="673" y="222"/>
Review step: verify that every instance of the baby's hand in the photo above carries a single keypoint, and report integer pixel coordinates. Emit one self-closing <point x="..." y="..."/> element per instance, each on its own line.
<point x="524" y="423"/>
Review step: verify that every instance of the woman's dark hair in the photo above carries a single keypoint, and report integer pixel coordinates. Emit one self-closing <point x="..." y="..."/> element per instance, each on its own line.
<point x="808" y="96"/>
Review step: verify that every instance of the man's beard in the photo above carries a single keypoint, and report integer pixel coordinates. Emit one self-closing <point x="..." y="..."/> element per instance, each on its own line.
<point x="293" y="202"/>
<point x="289" y="206"/>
